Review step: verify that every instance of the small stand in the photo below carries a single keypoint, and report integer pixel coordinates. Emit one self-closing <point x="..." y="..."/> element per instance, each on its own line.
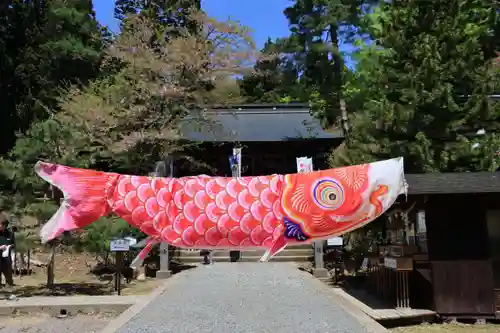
<point x="334" y="257"/>
<point x="118" y="273"/>
<point x="119" y="246"/>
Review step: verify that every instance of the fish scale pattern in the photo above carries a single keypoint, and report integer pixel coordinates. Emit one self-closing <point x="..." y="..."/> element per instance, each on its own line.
<point x="203" y="211"/>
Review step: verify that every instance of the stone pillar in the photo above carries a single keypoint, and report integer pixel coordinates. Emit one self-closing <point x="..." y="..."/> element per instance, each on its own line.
<point x="319" y="269"/>
<point x="164" y="271"/>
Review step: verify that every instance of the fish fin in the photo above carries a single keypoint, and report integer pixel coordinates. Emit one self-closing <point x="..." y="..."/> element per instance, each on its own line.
<point x="294" y="230"/>
<point x="278" y="245"/>
<point x="139" y="260"/>
<point x="85" y="197"/>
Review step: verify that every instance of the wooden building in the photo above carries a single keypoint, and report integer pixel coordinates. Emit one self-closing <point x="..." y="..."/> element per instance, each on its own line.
<point x="443" y="250"/>
<point x="271" y="137"/>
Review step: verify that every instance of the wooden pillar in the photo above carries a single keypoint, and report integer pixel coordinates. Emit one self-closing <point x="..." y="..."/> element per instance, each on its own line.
<point x="51" y="265"/>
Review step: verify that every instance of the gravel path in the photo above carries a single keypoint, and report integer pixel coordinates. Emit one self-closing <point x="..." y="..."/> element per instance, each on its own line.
<point x="244" y="298"/>
<point x="45" y="324"/>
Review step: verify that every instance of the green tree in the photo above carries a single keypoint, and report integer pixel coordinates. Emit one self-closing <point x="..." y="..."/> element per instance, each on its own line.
<point x="430" y="92"/>
<point x="318" y="27"/>
<point x="131" y="118"/>
<point x="276" y="78"/>
<point x="24" y="193"/>
<point x="139" y="114"/>
<point x="44" y="45"/>
<point x="96" y="237"/>
<point x="165" y="14"/>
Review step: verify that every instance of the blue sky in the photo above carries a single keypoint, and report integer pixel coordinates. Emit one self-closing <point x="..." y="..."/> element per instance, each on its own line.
<point x="264" y="17"/>
<point x="268" y="22"/>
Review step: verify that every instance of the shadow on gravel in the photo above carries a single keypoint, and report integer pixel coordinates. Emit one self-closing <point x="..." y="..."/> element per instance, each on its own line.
<point x="177" y="267"/>
<point x="365" y="297"/>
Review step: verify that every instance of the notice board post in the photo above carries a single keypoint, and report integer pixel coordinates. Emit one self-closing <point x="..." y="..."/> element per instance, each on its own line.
<point x="119" y="246"/>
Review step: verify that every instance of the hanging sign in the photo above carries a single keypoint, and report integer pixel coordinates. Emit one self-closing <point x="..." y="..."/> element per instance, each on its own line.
<point x="119" y="245"/>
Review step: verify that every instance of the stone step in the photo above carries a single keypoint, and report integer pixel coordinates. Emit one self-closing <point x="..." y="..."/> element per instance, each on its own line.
<point x="199" y="259"/>
<point x="295" y="246"/>
<point x="289" y="247"/>
<point x="250" y="253"/>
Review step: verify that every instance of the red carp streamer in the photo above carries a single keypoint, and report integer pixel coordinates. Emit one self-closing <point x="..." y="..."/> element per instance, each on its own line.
<point x="206" y="212"/>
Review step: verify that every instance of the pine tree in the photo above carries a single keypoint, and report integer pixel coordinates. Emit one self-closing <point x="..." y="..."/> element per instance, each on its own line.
<point x="169" y="14"/>
<point x="318" y="27"/>
<point x="44" y="45"/>
<point x="430" y="93"/>
<point x="275" y="78"/>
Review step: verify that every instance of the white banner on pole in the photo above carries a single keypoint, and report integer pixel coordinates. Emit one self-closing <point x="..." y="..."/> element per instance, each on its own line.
<point x="304" y="164"/>
<point x="237" y="162"/>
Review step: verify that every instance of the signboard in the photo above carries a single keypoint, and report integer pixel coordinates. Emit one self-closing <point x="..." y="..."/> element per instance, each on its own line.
<point x="335" y="241"/>
<point x="119" y="245"/>
<point x="390" y="263"/>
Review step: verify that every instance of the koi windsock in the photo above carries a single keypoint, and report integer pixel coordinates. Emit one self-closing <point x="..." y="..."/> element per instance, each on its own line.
<point x="202" y="212"/>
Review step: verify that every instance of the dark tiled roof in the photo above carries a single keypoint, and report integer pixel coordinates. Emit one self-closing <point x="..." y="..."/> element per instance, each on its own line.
<point x="261" y="123"/>
<point x="449" y="183"/>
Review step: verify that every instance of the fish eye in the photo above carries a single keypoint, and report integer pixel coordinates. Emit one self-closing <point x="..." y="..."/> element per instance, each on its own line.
<point x="328" y="194"/>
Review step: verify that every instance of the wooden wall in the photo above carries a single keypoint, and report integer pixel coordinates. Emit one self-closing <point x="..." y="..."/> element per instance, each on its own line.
<point x="460" y="254"/>
<point x="258" y="158"/>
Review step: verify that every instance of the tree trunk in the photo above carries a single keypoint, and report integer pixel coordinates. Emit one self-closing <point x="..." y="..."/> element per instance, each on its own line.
<point x="338" y="69"/>
<point x="50" y="267"/>
<point x="28" y="272"/>
<point x="22" y="261"/>
<point x="14" y="262"/>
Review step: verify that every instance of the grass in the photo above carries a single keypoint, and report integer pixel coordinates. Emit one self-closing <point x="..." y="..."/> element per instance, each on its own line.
<point x="448" y="328"/>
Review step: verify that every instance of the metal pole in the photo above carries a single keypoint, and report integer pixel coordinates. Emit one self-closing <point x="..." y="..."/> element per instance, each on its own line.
<point x="236" y="173"/>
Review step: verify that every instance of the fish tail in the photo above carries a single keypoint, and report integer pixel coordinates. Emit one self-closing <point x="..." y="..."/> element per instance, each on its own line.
<point x="277" y="246"/>
<point x="85" y="197"/>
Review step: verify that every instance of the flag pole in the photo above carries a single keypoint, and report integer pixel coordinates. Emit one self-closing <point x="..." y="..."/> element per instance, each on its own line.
<point x="305" y="164"/>
<point x="235" y="164"/>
